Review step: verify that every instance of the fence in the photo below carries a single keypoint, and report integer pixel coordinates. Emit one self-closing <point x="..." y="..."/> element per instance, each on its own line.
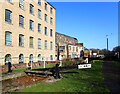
<point x="36" y="64"/>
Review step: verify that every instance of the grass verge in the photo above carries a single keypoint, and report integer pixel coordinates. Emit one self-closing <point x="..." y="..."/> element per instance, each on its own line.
<point x="22" y="69"/>
<point x="47" y="66"/>
<point x="117" y="63"/>
<point x="85" y="80"/>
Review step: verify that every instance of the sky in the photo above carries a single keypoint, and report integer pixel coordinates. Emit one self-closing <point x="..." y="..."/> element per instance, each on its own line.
<point x="89" y="22"/>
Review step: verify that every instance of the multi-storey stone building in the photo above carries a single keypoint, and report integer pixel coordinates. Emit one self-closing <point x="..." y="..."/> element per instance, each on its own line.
<point x="27" y="31"/>
<point x="67" y="47"/>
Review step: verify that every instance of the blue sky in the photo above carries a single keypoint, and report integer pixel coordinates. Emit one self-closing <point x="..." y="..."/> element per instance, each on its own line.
<point x="89" y="22"/>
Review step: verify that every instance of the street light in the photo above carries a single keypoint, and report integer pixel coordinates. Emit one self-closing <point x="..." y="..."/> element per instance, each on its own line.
<point x="107" y="40"/>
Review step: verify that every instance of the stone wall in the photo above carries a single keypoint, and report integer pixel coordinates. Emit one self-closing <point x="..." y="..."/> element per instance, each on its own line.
<point x="61" y="38"/>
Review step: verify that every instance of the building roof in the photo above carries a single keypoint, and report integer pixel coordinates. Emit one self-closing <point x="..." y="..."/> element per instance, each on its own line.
<point x="94" y="50"/>
<point x="79" y="44"/>
<point x="50" y="4"/>
<point x="66" y="35"/>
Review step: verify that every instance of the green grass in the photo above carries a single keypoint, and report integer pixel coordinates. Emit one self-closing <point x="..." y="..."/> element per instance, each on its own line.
<point x="86" y="80"/>
<point x="47" y="66"/>
<point x="117" y="63"/>
<point x="16" y="70"/>
<point x="22" y="69"/>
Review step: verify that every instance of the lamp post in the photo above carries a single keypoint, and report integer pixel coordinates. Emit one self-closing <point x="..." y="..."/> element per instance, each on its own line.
<point x="107" y="42"/>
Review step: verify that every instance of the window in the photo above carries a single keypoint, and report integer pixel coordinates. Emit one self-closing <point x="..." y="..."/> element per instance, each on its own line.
<point x="39" y="57"/>
<point x="39" y="28"/>
<point x="39" y="2"/>
<point x="62" y="48"/>
<point x="31" y="25"/>
<point x="45" y="44"/>
<point x="21" y="58"/>
<point x="69" y="56"/>
<point x="70" y="48"/>
<point x="51" y="10"/>
<point x="51" y="20"/>
<point x="31" y="8"/>
<point x="39" y="43"/>
<point x="8" y="40"/>
<point x="51" y="57"/>
<point x="7" y="59"/>
<point x="45" y="30"/>
<point x="46" y="17"/>
<point x="39" y="13"/>
<point x="73" y="49"/>
<point x="8" y="16"/>
<point x="9" y="0"/>
<point x="51" y="45"/>
<point x="45" y="6"/>
<point x="51" y="33"/>
<point x="76" y="49"/>
<point x="21" y="4"/>
<point x="31" y="42"/>
<point x="21" y="21"/>
<point x="31" y="58"/>
<point x="21" y="40"/>
<point x="56" y="48"/>
<point x="42" y="58"/>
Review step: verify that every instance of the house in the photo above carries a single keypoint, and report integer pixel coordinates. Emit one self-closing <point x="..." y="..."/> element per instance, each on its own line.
<point x="67" y="46"/>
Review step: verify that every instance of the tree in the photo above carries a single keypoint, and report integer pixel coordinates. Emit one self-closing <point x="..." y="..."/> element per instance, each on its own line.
<point x="67" y="51"/>
<point x="58" y="51"/>
<point x="116" y="49"/>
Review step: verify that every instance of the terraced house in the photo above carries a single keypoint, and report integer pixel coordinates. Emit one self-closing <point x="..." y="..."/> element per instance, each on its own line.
<point x="27" y="31"/>
<point x="67" y="47"/>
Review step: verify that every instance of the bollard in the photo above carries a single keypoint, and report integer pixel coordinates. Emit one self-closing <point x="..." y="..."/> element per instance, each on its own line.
<point x="31" y="64"/>
<point x="9" y="67"/>
<point x="86" y="60"/>
<point x="57" y="75"/>
<point x="44" y="63"/>
<point x="60" y="63"/>
<point x="60" y="60"/>
<point x="27" y="64"/>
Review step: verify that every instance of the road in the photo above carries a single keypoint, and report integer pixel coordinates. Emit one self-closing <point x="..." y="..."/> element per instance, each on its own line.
<point x="111" y="76"/>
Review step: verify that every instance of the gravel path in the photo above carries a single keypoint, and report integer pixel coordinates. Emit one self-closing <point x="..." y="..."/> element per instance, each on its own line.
<point x="111" y="76"/>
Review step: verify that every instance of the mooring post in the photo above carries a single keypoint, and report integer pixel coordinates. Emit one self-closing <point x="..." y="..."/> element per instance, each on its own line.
<point x="60" y="61"/>
<point x="9" y="67"/>
<point x="57" y="75"/>
<point x="86" y="60"/>
<point x="27" y="64"/>
<point x="31" y="64"/>
<point x="44" y="63"/>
